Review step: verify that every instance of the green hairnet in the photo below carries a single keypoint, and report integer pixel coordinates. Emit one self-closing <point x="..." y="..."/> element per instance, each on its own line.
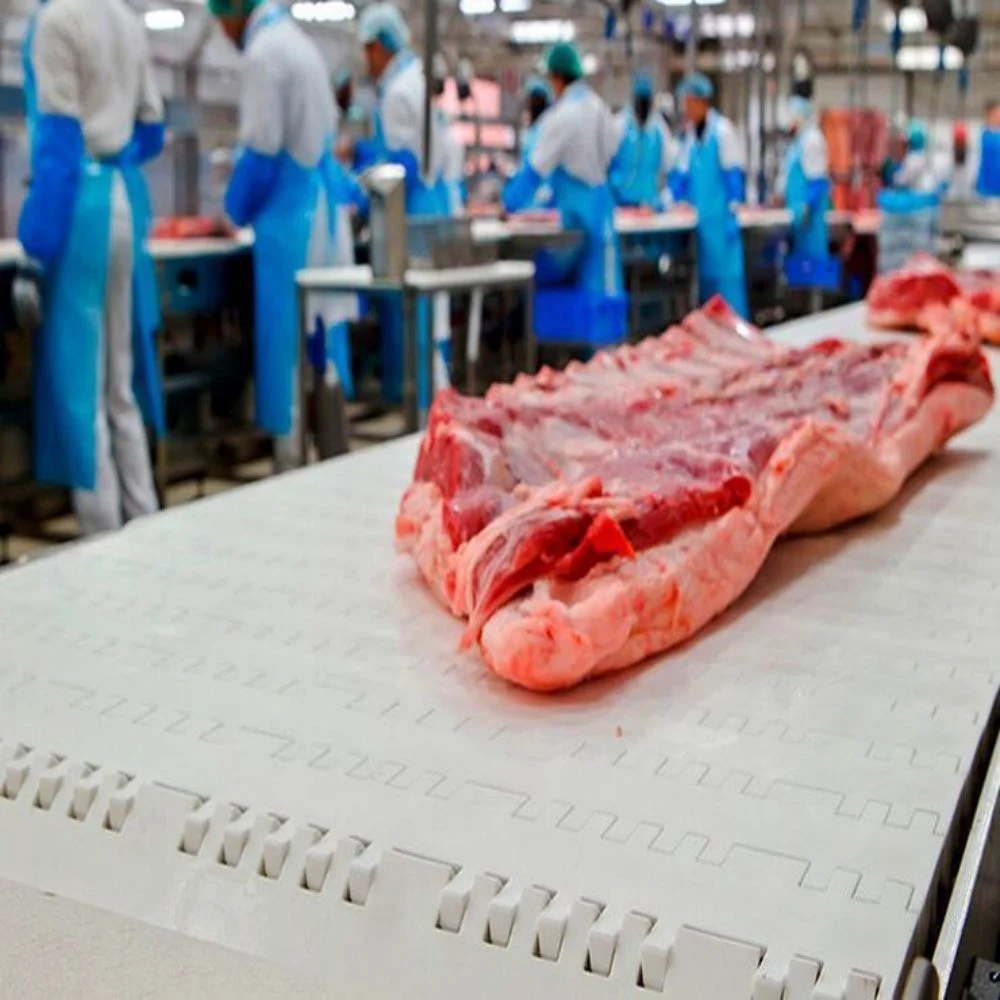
<point x="564" y="60"/>
<point x="233" y="8"/>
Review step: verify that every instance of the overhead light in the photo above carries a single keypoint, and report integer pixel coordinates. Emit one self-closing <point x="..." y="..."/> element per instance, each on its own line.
<point x="164" y="19"/>
<point x="590" y="64"/>
<point x="542" y="32"/>
<point x="912" y="20"/>
<point x="687" y="3"/>
<point x="927" y="58"/>
<point x="746" y="25"/>
<point x="323" y="11"/>
<point x="515" y="6"/>
<point x="477" y="8"/>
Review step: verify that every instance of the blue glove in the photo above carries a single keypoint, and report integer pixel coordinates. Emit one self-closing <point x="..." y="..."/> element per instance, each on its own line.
<point x="735" y="185"/>
<point x="56" y="162"/>
<point x="148" y="139"/>
<point x="250" y="187"/>
<point x="678" y="183"/>
<point x="406" y="159"/>
<point x="733" y="230"/>
<point x="817" y="191"/>
<point x="521" y="188"/>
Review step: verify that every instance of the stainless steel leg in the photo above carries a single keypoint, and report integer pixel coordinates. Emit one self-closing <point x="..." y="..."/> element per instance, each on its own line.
<point x="303" y="428"/>
<point x="410" y="361"/>
<point x="530" y="344"/>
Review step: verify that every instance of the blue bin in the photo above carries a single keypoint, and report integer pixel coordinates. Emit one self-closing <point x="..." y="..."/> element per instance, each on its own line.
<point x="570" y="316"/>
<point x="805" y="271"/>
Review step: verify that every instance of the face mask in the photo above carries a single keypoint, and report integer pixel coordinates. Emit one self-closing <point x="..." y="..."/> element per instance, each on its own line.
<point x="643" y="105"/>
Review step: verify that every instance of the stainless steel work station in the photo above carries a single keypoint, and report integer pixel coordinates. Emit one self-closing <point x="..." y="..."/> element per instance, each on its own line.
<point x="497" y="499"/>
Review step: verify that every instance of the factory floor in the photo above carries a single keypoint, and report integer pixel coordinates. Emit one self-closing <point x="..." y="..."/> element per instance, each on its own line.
<point x="21" y="548"/>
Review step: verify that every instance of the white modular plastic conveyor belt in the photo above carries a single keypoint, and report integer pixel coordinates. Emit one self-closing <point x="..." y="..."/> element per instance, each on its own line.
<point x="245" y="721"/>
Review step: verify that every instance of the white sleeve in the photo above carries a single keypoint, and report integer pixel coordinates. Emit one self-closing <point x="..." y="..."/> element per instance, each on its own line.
<point x="815" y="161"/>
<point x="668" y="154"/>
<point x="261" y="117"/>
<point x="150" y="109"/>
<point x="55" y="67"/>
<point x="402" y="121"/>
<point x="682" y="154"/>
<point x="730" y="149"/>
<point x="551" y="142"/>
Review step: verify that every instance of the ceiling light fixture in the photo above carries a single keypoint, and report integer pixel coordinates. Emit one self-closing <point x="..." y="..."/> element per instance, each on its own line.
<point x="164" y="19"/>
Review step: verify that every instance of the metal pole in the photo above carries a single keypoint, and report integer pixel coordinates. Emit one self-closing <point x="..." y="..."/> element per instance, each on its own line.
<point x="691" y="50"/>
<point x="430" y="48"/>
<point x="761" y="97"/>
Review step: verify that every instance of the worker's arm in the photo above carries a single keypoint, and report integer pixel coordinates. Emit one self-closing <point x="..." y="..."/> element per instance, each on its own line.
<point x="58" y="148"/>
<point x="816" y="167"/>
<point x="402" y="128"/>
<point x="261" y="138"/>
<point x="678" y="177"/>
<point x="618" y="172"/>
<point x="545" y="156"/>
<point x="148" y="138"/>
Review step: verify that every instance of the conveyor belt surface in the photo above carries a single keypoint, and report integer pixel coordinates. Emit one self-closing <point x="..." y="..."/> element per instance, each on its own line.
<point x="247" y="721"/>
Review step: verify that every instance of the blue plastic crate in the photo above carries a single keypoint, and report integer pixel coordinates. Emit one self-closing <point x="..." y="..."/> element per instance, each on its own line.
<point x="569" y="316"/>
<point x="805" y="271"/>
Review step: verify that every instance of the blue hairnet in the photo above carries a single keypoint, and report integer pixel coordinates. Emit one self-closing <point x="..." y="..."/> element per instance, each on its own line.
<point x="917" y="136"/>
<point x="535" y="85"/>
<point x="696" y="85"/>
<point x="382" y="22"/>
<point x="564" y="60"/>
<point x="642" y="84"/>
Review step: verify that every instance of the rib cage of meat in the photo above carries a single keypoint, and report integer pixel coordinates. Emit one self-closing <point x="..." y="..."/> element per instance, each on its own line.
<point x="582" y="520"/>
<point x="926" y="295"/>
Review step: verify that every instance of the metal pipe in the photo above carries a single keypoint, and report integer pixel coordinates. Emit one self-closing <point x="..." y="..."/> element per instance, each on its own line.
<point x="430" y="48"/>
<point x="691" y="49"/>
<point x="760" y="14"/>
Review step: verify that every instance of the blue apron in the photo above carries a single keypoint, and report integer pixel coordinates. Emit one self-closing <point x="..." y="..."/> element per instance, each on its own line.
<point x="67" y="347"/>
<point x="595" y="267"/>
<point x="721" y="269"/>
<point x="988" y="181"/>
<point x="637" y="178"/>
<point x="282" y="230"/>
<point x="422" y="199"/>
<point x="810" y="234"/>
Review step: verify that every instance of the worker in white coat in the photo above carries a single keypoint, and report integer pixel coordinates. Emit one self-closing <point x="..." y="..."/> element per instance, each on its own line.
<point x="578" y="138"/>
<point x="916" y="172"/>
<point x="452" y="191"/>
<point x="708" y="174"/>
<point x="98" y="116"/>
<point x="646" y="155"/>
<point x="804" y="181"/>
<point x="399" y="139"/>
<point x="286" y="123"/>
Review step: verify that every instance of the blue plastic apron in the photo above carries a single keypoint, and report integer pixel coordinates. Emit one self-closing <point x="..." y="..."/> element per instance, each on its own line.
<point x="422" y="199"/>
<point x="638" y="179"/>
<point x="67" y="348"/>
<point x="988" y="181"/>
<point x="281" y="246"/>
<point x="810" y="234"/>
<point x="721" y="269"/>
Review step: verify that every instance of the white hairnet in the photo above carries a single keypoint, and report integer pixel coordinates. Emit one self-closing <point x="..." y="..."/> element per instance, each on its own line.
<point x="382" y="22"/>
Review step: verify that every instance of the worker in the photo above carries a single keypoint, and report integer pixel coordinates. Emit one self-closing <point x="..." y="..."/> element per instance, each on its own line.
<point x="916" y="172"/>
<point x="399" y="139"/>
<point x="645" y="158"/>
<point x="286" y="122"/>
<point x="537" y="98"/>
<point x="988" y="180"/>
<point x="708" y="174"/>
<point x="399" y="81"/>
<point x="452" y="180"/>
<point x="577" y="140"/>
<point x="804" y="182"/>
<point x="97" y="116"/>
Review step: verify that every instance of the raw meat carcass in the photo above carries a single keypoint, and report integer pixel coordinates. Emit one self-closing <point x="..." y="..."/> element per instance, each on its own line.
<point x="585" y="519"/>
<point x="927" y="296"/>
<point x="182" y="227"/>
<point x="896" y="300"/>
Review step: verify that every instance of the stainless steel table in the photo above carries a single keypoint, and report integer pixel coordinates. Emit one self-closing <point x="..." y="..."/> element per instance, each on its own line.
<point x="416" y="283"/>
